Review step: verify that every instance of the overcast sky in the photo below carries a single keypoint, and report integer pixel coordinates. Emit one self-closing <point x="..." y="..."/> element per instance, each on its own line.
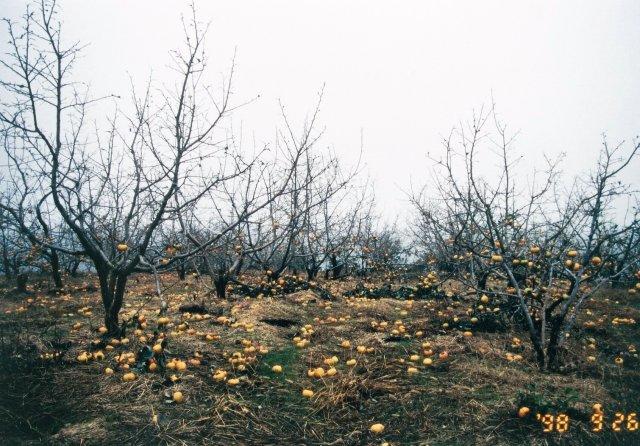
<point x="403" y="73"/>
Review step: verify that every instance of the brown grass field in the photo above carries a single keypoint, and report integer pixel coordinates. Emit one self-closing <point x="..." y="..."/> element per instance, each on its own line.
<point x="470" y="397"/>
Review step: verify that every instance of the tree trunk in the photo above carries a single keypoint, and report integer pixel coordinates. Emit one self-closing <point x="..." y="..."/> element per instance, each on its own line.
<point x="482" y="281"/>
<point x="54" y="261"/>
<point x="336" y="268"/>
<point x="112" y="287"/>
<point x="539" y="350"/>
<point x="21" y="282"/>
<point x="116" y="303"/>
<point x="182" y="271"/>
<point x="312" y="272"/>
<point x="73" y="269"/>
<point x="220" y="282"/>
<point x="6" y="265"/>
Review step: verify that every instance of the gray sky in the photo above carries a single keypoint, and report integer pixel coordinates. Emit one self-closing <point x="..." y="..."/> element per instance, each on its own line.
<point x="561" y="72"/>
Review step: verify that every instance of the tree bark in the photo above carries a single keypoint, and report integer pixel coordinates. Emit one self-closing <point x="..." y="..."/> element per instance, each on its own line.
<point x="21" y="282"/>
<point x="112" y="287"/>
<point x="112" y="313"/>
<point x="54" y="262"/>
<point x="312" y="272"/>
<point x="220" y="283"/>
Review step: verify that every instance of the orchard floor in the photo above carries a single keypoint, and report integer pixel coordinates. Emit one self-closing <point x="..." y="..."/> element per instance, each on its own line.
<point x="471" y="397"/>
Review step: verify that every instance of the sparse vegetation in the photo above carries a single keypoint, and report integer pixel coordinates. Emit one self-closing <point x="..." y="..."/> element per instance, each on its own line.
<point x="163" y="285"/>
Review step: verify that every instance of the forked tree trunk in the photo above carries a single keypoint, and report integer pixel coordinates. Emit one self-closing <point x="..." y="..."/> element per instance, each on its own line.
<point x="72" y="267"/>
<point x="112" y="288"/>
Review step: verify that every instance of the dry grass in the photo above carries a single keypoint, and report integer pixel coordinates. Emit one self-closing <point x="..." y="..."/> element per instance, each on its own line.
<point x="469" y="398"/>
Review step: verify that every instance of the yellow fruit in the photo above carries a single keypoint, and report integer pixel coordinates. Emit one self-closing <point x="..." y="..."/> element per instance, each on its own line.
<point x="595" y="261"/>
<point x="377" y="428"/>
<point x="127" y="377"/>
<point x="157" y="348"/>
<point x="331" y="361"/>
<point x="233" y="382"/>
<point x="178" y="397"/>
<point x="351" y="362"/>
<point x="412" y="370"/>
<point x="122" y="247"/>
<point x="163" y="320"/>
<point x="307" y="393"/>
<point x="181" y="366"/>
<point x="496" y="258"/>
<point x="220" y="375"/>
<point x="619" y="360"/>
<point x="572" y="253"/>
<point x="276" y="369"/>
<point x="108" y="371"/>
<point x="345" y="344"/>
<point x="467" y="334"/>
<point x="484" y="299"/>
<point x="523" y="412"/>
<point x="427" y="361"/>
<point x="332" y="371"/>
<point x="83" y="357"/>
<point x="153" y="367"/>
<point x="318" y="372"/>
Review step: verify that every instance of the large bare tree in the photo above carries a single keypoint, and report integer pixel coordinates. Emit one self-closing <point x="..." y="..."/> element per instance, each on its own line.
<point x="532" y="242"/>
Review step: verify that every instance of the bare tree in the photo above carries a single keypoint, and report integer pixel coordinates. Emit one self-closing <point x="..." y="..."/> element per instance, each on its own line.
<point x="25" y="201"/>
<point x="273" y="238"/>
<point x="115" y="190"/>
<point x="534" y="243"/>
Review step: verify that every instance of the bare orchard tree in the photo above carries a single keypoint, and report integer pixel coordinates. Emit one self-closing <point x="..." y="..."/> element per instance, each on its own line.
<point x="379" y="247"/>
<point x="25" y="202"/>
<point x="273" y="237"/>
<point x="214" y="228"/>
<point x="16" y="254"/>
<point x="329" y="231"/>
<point x="529" y="242"/>
<point x="114" y="189"/>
